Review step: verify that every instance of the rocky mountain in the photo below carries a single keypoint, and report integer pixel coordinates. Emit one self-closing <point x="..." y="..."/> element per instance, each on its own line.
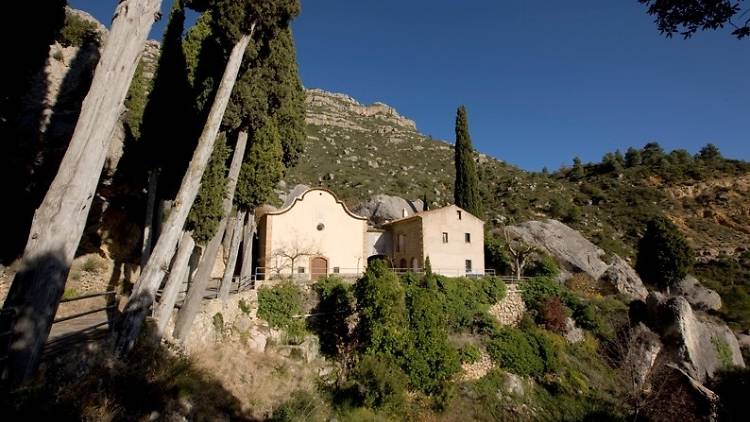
<point x="364" y="150"/>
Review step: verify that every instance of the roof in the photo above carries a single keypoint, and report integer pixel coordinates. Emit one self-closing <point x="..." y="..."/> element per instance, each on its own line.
<point x="424" y="213"/>
<point x="301" y="197"/>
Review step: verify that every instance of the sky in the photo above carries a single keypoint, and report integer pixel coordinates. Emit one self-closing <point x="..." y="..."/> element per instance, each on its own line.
<point x="542" y="81"/>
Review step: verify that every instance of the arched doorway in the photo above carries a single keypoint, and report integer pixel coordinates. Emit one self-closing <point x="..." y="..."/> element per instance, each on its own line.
<point x="318" y="268"/>
<point x="403" y="265"/>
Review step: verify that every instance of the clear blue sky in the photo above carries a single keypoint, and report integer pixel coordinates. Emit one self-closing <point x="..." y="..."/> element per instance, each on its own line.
<point x="542" y="81"/>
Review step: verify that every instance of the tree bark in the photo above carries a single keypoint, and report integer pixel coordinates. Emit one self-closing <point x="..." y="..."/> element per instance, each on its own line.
<point x="197" y="290"/>
<point x="148" y="224"/>
<point x="177" y="275"/>
<point x="59" y="221"/>
<point x="246" y="270"/>
<point x="226" y="243"/>
<point x="143" y="293"/>
<point x="234" y="249"/>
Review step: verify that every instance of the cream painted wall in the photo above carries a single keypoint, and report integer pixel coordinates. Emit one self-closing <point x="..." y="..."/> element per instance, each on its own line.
<point x="449" y="258"/>
<point x="342" y="240"/>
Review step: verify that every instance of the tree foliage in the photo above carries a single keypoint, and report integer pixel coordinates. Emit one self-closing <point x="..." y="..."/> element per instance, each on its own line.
<point x="664" y="256"/>
<point x="686" y="17"/>
<point x="261" y="169"/>
<point x="78" y="31"/>
<point x="208" y="209"/>
<point x="466" y="191"/>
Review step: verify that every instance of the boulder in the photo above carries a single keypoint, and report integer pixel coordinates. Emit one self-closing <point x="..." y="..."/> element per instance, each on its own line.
<point x="698" y="295"/>
<point x="382" y="208"/>
<point x="576" y="254"/>
<point x="573" y="251"/>
<point x="622" y="278"/>
<point x="696" y="343"/>
<point x="572" y="334"/>
<point x="514" y="385"/>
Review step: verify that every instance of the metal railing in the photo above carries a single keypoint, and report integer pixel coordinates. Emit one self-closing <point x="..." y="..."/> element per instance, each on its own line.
<point x="80" y="331"/>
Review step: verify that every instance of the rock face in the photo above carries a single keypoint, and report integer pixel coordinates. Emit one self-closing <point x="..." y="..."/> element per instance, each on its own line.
<point x="382" y="208"/>
<point x="644" y="347"/>
<point x="572" y="333"/>
<point x="623" y="278"/>
<point x="576" y="254"/>
<point x="697" y="344"/>
<point x="322" y="103"/>
<point x="698" y="295"/>
<point x="510" y="310"/>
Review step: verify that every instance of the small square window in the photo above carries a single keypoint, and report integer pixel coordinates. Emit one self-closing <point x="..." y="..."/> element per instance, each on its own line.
<point x="468" y="266"/>
<point x="336" y="270"/>
<point x="301" y="270"/>
<point x="467" y="237"/>
<point x="445" y="237"/>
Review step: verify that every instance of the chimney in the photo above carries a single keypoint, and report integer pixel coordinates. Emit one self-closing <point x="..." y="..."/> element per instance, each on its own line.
<point x="404" y="213"/>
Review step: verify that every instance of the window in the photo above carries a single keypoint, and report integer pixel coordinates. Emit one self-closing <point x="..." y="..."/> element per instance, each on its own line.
<point x="467" y="237"/>
<point x="301" y="270"/>
<point x="336" y="270"/>
<point x="468" y="266"/>
<point x="459" y="214"/>
<point x="445" y="237"/>
<point x="401" y="244"/>
<point x="321" y="226"/>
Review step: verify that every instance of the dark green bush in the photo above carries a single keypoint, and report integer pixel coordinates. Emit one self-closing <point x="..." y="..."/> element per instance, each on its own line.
<point x="528" y="353"/>
<point x="537" y="290"/>
<point x="335" y="307"/>
<point x="465" y="299"/>
<point x="279" y="304"/>
<point x="380" y="383"/>
<point x="544" y="266"/>
<point x="664" y="256"/>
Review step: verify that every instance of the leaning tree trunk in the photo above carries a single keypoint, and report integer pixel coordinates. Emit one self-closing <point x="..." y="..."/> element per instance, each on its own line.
<point x="225" y="245"/>
<point x="143" y="293"/>
<point x="178" y="273"/>
<point x="234" y="249"/>
<point x="197" y="290"/>
<point x="246" y="270"/>
<point x="60" y="219"/>
<point x="148" y="224"/>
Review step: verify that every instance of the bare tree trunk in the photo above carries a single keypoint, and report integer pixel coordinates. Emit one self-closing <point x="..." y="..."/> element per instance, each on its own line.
<point x="234" y="249"/>
<point x="162" y="212"/>
<point x="60" y="219"/>
<point x="177" y="274"/>
<point x="143" y="293"/>
<point x="198" y="289"/>
<point x="226" y="243"/>
<point x="148" y="229"/>
<point x="246" y="270"/>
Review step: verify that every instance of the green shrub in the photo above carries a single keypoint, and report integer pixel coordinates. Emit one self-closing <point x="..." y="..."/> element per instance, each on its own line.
<point x="218" y="322"/>
<point x="464" y="300"/>
<point x="469" y="354"/>
<point x="91" y="265"/>
<point x="335" y="307"/>
<point x="664" y="256"/>
<point x="544" y="266"/>
<point x="513" y="350"/>
<point x="279" y="304"/>
<point x="537" y="290"/>
<point x="77" y="31"/>
<point x="380" y="383"/>
<point x="70" y="293"/>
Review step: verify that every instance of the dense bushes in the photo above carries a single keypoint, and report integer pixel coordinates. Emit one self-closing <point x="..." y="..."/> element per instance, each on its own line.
<point x="464" y="300"/>
<point x="77" y="31"/>
<point x="527" y="352"/>
<point x="537" y="290"/>
<point x="281" y="307"/>
<point x="380" y="383"/>
<point x="335" y="307"/>
<point x="664" y="256"/>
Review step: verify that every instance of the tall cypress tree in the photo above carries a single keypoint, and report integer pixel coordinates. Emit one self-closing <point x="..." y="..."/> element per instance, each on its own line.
<point x="466" y="191"/>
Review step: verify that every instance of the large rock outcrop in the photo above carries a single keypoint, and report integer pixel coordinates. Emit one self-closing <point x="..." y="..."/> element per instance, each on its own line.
<point x="698" y="295"/>
<point x="577" y="254"/>
<point x="696" y="343"/>
<point x="382" y="208"/>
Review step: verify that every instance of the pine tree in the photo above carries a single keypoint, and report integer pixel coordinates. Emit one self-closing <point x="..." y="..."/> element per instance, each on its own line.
<point x="578" y="171"/>
<point x="466" y="191"/>
<point x="652" y="154"/>
<point x="664" y="256"/>
<point x="633" y="157"/>
<point x="709" y="153"/>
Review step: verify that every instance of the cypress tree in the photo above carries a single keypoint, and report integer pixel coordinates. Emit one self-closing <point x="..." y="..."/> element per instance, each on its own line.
<point x="207" y="210"/>
<point x="262" y="168"/>
<point x="466" y="191"/>
<point x="168" y="130"/>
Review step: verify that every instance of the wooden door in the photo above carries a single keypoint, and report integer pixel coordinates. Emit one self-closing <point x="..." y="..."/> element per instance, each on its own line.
<point x="318" y="268"/>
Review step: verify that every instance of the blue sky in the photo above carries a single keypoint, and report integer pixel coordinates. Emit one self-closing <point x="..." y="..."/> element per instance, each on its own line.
<point x="542" y="81"/>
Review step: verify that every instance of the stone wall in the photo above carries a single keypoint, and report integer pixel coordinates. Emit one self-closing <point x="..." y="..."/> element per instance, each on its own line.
<point x="510" y="310"/>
